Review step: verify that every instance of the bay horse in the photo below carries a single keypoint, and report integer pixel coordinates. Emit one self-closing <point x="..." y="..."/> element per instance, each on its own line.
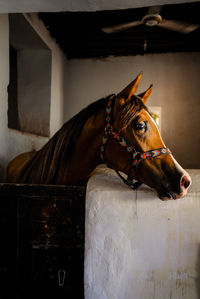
<point x="117" y="130"/>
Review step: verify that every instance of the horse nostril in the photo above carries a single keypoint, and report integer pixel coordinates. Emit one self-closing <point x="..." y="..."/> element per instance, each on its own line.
<point x="185" y="181"/>
<point x="186" y="184"/>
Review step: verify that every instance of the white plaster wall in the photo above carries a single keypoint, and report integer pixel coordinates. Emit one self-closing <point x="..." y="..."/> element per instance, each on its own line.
<point x="59" y="63"/>
<point x="4" y="80"/>
<point x="78" y="5"/>
<point x="13" y="142"/>
<point x="34" y="87"/>
<point x="175" y="77"/>
<point x="137" y="246"/>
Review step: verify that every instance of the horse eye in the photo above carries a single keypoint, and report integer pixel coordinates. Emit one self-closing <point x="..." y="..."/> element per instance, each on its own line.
<point x="141" y="126"/>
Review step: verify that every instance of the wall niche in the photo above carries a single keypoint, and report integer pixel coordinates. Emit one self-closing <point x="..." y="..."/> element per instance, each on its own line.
<point x="30" y="79"/>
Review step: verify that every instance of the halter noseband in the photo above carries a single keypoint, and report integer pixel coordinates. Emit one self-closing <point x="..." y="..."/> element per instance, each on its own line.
<point x="137" y="157"/>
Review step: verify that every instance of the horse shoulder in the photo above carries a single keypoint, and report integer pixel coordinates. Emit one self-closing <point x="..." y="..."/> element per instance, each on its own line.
<point x="17" y="165"/>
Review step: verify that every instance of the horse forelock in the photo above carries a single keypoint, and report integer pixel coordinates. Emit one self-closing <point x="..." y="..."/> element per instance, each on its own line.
<point x="131" y="110"/>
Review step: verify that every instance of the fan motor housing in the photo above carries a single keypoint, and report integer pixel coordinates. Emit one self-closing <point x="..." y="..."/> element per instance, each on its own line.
<point x="152" y="20"/>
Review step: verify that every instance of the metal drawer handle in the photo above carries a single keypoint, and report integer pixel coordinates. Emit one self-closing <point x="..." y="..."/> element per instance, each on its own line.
<point x="61" y="277"/>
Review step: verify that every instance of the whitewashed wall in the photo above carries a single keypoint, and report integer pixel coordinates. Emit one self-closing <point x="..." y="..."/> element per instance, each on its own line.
<point x="137" y="246"/>
<point x="78" y="5"/>
<point x="14" y="142"/>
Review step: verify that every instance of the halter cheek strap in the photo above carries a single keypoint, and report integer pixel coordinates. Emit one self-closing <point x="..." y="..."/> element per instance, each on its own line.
<point x="136" y="157"/>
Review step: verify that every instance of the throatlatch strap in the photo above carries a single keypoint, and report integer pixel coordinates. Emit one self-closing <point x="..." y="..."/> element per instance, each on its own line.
<point x="131" y="184"/>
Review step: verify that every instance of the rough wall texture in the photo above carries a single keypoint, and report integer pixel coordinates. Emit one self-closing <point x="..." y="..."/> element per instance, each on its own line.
<point x="138" y="246"/>
<point x="81" y="5"/>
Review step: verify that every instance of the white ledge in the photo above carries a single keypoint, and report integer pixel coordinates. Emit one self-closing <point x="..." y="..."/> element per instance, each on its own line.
<point x="137" y="246"/>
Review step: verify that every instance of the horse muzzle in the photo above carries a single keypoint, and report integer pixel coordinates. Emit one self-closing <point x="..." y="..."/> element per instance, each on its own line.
<point x="166" y="193"/>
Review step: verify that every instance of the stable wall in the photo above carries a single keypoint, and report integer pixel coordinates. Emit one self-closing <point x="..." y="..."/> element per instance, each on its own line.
<point x="14" y="142"/>
<point x="78" y="5"/>
<point x="175" y="77"/>
<point x="137" y="246"/>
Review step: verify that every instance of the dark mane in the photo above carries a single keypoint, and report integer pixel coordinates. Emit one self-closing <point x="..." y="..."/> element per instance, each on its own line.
<point x="46" y="161"/>
<point x="76" y="123"/>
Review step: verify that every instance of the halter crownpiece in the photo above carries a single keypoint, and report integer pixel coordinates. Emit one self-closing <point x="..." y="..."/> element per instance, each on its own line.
<point x="137" y="157"/>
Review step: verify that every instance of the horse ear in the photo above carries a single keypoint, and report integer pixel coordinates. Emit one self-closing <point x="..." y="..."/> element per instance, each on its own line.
<point x="129" y="90"/>
<point x="144" y="96"/>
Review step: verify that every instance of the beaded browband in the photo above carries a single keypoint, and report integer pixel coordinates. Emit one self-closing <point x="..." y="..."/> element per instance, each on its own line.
<point x="137" y="157"/>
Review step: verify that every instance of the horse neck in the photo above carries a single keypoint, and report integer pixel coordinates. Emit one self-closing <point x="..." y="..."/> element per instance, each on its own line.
<point x="86" y="154"/>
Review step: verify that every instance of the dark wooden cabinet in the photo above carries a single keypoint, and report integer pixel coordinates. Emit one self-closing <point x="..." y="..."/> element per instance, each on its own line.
<point x="42" y="241"/>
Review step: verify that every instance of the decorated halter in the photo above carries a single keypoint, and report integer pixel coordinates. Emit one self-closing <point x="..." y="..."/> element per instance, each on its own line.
<point x="137" y="157"/>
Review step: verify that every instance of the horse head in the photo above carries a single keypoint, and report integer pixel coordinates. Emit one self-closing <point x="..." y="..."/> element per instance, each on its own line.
<point x="133" y="127"/>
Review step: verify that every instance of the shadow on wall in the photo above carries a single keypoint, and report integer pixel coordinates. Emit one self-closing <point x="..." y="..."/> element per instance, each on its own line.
<point x="198" y="274"/>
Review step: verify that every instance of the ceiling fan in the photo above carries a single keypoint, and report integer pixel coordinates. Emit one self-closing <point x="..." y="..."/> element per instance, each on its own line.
<point x="151" y="19"/>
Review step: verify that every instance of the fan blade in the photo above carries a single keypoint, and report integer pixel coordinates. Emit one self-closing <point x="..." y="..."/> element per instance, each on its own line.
<point x="178" y="26"/>
<point x="120" y="27"/>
